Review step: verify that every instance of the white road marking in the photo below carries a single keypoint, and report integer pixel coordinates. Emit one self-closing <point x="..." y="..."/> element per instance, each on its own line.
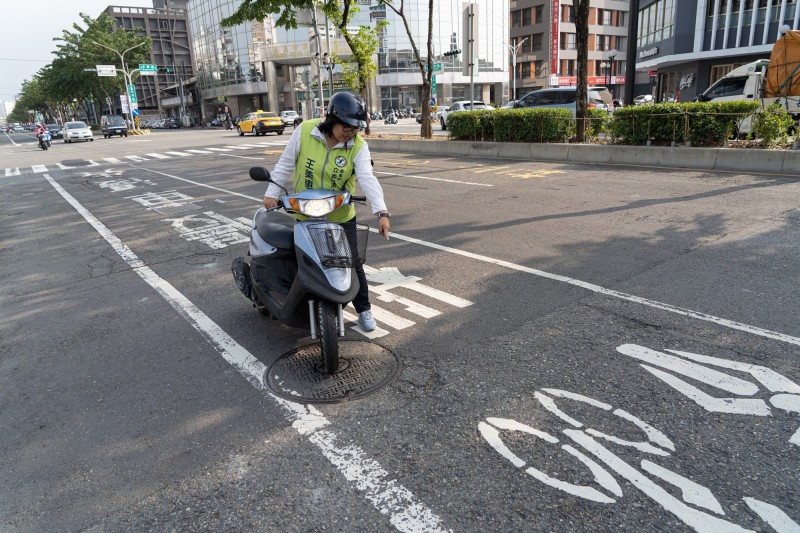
<point x="433" y="179"/>
<point x="243" y="157"/>
<point x="159" y="156"/>
<point x="251" y="145"/>
<point x="12" y="172"/>
<point x="112" y="160"/>
<point x="136" y="158"/>
<point x="730" y="324"/>
<point x="236" y="147"/>
<point x="196" y="151"/>
<point x="180" y="154"/>
<point x="91" y="164"/>
<point x="220" y="149"/>
<point x="388" y="496"/>
<point x="772" y="515"/>
<point x="39" y="168"/>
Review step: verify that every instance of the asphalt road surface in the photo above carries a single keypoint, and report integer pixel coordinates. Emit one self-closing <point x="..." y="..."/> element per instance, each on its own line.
<point x="583" y="348"/>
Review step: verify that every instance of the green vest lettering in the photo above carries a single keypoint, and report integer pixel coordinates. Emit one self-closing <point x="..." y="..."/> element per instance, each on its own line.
<point x="320" y="168"/>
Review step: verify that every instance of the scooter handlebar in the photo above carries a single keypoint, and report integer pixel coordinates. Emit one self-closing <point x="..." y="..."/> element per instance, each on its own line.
<point x="358" y="198"/>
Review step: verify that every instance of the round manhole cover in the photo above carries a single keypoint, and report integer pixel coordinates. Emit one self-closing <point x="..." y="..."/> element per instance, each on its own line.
<point x="364" y="367"/>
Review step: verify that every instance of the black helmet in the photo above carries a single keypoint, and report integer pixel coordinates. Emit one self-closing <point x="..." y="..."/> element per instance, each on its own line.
<point x="349" y="108"/>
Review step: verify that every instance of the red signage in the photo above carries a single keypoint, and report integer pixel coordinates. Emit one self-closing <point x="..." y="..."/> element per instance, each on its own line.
<point x="554" y="18"/>
<point x="594" y="81"/>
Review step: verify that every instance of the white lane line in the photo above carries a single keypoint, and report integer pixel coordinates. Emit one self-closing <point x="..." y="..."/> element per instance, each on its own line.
<point x="136" y="158"/>
<point x="404" y="510"/>
<point x="179" y="154"/>
<point x="434" y="179"/>
<point x="112" y="160"/>
<point x="730" y="324"/>
<point x="196" y="151"/>
<point x="220" y="149"/>
<point x="243" y="157"/>
<point x="12" y="171"/>
<point x="39" y="168"/>
<point x="159" y="156"/>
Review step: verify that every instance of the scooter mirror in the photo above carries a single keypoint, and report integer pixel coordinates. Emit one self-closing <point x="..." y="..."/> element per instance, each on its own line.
<point x="259" y="174"/>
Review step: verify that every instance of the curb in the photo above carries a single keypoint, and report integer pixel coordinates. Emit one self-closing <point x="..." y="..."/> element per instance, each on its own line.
<point x="783" y="162"/>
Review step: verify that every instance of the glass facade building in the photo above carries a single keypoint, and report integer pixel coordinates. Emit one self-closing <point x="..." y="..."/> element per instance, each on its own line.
<point x="256" y="65"/>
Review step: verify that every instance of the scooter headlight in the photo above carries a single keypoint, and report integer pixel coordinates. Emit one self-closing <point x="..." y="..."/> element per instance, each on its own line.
<point x="317" y="207"/>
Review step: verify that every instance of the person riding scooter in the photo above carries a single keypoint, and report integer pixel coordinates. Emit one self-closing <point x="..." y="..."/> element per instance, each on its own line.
<point x="43" y="136"/>
<point x="330" y="154"/>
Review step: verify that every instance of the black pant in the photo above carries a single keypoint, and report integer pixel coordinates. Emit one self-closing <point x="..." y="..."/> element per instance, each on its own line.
<point x="361" y="301"/>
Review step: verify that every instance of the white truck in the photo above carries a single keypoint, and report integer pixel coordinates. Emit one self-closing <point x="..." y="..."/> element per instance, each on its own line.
<point x="776" y="79"/>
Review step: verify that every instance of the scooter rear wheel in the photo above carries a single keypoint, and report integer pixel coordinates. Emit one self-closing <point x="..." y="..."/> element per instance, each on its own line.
<point x="328" y="336"/>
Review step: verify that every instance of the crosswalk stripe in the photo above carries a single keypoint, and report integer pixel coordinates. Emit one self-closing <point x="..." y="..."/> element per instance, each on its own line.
<point x="251" y="145"/>
<point x="91" y="164"/>
<point x="194" y="151"/>
<point x="236" y="147"/>
<point x="136" y="158"/>
<point x="112" y="160"/>
<point x="374" y="334"/>
<point x="159" y="156"/>
<point x="39" y="168"/>
<point x="181" y="154"/>
<point x="12" y="171"/>
<point x="221" y="149"/>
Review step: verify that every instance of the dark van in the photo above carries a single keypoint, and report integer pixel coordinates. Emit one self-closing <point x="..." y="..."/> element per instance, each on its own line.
<point x="112" y="125"/>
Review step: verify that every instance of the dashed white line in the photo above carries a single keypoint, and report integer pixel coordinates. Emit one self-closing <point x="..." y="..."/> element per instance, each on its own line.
<point x="112" y="160"/>
<point x="403" y="509"/>
<point x="196" y="151"/>
<point x="159" y="156"/>
<point x="179" y="154"/>
<point x="12" y="172"/>
<point x="136" y="158"/>
<point x="221" y="149"/>
<point x="39" y="168"/>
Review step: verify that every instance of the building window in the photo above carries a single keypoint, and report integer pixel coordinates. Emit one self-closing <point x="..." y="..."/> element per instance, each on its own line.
<point x="536" y="42"/>
<point x="516" y="18"/>
<point x="601" y="42"/>
<point x="568" y="41"/>
<point x="524" y="45"/>
<point x="607" y="17"/>
<point x="539" y="68"/>
<point x="656" y="22"/>
<point x="526" y="71"/>
<point x="539" y="14"/>
<point x="526" y="17"/>
<point x="567" y="14"/>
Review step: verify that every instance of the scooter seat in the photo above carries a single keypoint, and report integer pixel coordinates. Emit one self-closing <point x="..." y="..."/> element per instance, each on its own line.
<point x="276" y="228"/>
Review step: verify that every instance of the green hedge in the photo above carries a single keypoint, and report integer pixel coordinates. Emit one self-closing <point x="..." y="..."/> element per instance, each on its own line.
<point x="701" y="123"/>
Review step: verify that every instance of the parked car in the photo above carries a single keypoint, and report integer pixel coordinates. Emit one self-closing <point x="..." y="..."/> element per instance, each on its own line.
<point x="643" y="99"/>
<point x="288" y="117"/>
<point x="509" y="105"/>
<point x="55" y="131"/>
<point x="111" y="125"/>
<point x="565" y="98"/>
<point x="260" y="123"/>
<point x="172" y="124"/>
<point x="465" y="105"/>
<point x="77" y="131"/>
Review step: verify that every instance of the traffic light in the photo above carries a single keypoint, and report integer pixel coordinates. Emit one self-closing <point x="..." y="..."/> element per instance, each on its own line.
<point x="165" y="70"/>
<point x="451" y="53"/>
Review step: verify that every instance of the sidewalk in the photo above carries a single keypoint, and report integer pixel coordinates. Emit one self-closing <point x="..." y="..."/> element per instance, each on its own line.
<point x="757" y="161"/>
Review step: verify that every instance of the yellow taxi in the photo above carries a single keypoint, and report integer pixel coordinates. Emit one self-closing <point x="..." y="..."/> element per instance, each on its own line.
<point x="259" y="123"/>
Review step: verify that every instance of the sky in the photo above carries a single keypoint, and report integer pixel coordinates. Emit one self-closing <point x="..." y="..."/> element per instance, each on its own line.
<point x="26" y="40"/>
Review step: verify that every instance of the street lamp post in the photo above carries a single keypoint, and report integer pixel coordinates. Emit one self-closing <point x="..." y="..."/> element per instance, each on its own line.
<point x="611" y="55"/>
<point x="604" y="72"/>
<point x="514" y="66"/>
<point x="124" y="70"/>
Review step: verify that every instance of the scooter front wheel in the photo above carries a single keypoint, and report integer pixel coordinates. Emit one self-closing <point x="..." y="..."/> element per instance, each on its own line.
<point x="328" y="336"/>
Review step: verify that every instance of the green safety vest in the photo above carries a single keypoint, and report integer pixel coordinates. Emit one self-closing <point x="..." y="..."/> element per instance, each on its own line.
<point x="321" y="168"/>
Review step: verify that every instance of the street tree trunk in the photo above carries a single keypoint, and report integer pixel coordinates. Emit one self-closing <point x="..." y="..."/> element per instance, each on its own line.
<point x="581" y="16"/>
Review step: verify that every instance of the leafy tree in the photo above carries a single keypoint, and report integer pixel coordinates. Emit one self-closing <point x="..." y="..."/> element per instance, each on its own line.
<point x="425" y="67"/>
<point x="363" y="44"/>
<point x="581" y="8"/>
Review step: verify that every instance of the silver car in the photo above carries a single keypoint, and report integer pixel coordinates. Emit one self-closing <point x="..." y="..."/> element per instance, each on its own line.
<point x="77" y="131"/>
<point x="564" y="97"/>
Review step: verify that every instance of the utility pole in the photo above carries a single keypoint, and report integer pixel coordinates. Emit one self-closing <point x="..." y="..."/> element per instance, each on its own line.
<point x="514" y="50"/>
<point x="130" y="87"/>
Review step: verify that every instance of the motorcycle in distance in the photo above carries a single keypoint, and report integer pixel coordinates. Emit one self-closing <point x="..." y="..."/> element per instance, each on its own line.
<point x="391" y="118"/>
<point x="44" y="140"/>
<point x="302" y="272"/>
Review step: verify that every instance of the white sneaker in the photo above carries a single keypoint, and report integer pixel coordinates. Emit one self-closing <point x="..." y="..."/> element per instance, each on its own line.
<point x="366" y="321"/>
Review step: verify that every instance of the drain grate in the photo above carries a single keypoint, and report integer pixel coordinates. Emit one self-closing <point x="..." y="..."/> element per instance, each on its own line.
<point x="364" y="367"/>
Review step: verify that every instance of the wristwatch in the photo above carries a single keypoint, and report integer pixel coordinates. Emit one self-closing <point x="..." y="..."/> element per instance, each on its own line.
<point x="385" y="215"/>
